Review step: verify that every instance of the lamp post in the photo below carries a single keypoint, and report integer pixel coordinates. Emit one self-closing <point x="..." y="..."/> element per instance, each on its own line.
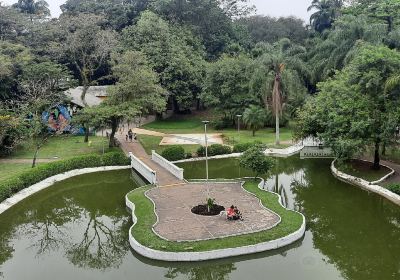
<point x="238" y="116"/>
<point x="206" y="142"/>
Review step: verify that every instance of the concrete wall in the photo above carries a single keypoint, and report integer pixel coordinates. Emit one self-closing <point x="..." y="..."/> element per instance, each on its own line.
<point x="147" y="173"/>
<point x="172" y="168"/>
<point x="8" y="203"/>
<point x="214" y="254"/>
<point x="368" y="186"/>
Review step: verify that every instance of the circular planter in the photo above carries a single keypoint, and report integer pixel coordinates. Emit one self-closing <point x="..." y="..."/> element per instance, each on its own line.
<point x="203" y="210"/>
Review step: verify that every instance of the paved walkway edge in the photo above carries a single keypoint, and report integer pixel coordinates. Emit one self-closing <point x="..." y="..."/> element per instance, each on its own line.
<point x="214" y="254"/>
<point x="21" y="195"/>
<point x="365" y="185"/>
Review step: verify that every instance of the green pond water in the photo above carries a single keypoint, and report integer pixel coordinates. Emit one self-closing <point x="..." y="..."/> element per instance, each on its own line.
<point x="78" y="229"/>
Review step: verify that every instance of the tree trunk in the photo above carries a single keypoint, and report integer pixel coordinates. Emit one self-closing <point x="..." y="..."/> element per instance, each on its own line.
<point x="254" y="132"/>
<point x="376" y="157"/>
<point x="114" y="127"/>
<point x="87" y="131"/>
<point x="35" y="156"/>
<point x="83" y="94"/>
<point x="277" y="142"/>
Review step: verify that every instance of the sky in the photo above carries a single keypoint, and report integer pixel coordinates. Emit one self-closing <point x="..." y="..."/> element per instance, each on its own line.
<point x="274" y="8"/>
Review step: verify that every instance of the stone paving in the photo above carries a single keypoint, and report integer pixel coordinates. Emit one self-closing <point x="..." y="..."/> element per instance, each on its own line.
<point x="178" y="223"/>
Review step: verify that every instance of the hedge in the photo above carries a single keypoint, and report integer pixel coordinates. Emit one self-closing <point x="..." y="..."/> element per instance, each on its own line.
<point x="174" y="153"/>
<point x="242" y="147"/>
<point x="214" y="150"/>
<point x="43" y="171"/>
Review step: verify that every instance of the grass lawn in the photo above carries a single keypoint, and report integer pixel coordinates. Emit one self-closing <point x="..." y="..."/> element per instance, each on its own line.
<point x="150" y="143"/>
<point x="9" y="170"/>
<point x="266" y="135"/>
<point x="189" y="124"/>
<point x="63" y="147"/>
<point x="193" y="124"/>
<point x="363" y="170"/>
<point x="143" y="233"/>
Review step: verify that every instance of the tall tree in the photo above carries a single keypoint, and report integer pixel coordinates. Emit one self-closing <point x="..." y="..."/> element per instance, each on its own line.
<point x="353" y="111"/>
<point x="279" y="76"/>
<point x="175" y="54"/>
<point x="42" y="85"/>
<point x="86" y="46"/>
<point x="332" y="53"/>
<point x="39" y="8"/>
<point x="326" y="12"/>
<point x="136" y="93"/>
<point x="227" y="86"/>
<point x="270" y="30"/>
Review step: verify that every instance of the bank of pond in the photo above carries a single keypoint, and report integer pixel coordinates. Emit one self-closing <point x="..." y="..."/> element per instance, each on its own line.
<point x="78" y="228"/>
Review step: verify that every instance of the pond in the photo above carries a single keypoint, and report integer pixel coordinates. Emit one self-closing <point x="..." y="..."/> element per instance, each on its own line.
<point x="78" y="229"/>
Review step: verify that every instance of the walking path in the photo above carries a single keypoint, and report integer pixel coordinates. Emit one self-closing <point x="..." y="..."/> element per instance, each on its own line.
<point x="176" y="222"/>
<point x="164" y="177"/>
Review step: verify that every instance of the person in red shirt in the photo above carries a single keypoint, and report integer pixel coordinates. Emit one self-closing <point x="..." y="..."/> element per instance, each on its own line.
<point x="230" y="214"/>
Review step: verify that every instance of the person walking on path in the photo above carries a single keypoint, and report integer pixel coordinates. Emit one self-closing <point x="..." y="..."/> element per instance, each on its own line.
<point x="130" y="134"/>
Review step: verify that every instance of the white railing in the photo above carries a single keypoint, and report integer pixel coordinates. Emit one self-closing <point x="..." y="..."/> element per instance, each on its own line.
<point x="172" y="168"/>
<point x="149" y="174"/>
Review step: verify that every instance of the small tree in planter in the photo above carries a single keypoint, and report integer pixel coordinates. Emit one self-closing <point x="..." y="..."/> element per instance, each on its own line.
<point x="255" y="160"/>
<point x="210" y="203"/>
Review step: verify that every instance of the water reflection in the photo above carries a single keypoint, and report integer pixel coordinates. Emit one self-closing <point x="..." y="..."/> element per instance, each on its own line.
<point x="204" y="272"/>
<point x="83" y="221"/>
<point x="356" y="232"/>
<point x="80" y="228"/>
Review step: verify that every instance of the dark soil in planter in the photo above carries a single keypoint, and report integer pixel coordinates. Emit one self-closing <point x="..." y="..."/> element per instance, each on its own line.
<point x="202" y="210"/>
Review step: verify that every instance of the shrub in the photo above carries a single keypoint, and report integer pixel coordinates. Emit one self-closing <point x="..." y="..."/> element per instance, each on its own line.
<point x="222" y="123"/>
<point x="255" y="160"/>
<point x="214" y="150"/>
<point x="394" y="188"/>
<point x="115" y="159"/>
<point x="242" y="147"/>
<point x="189" y="155"/>
<point x="174" y="153"/>
<point x="41" y="172"/>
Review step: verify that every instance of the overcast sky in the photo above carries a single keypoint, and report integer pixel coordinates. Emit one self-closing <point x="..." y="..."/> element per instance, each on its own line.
<point x="274" y="8"/>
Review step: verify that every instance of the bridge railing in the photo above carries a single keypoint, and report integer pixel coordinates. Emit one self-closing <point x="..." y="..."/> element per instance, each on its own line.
<point x="149" y="174"/>
<point x="169" y="166"/>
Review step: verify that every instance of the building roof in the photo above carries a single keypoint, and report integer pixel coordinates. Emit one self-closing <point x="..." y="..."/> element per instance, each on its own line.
<point x="94" y="96"/>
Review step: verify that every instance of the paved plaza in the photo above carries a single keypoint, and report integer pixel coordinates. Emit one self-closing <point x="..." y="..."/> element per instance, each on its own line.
<point x="178" y="223"/>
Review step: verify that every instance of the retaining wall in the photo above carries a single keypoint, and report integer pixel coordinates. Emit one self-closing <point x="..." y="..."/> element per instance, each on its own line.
<point x="214" y="254"/>
<point x="366" y="185"/>
<point x="8" y="203"/>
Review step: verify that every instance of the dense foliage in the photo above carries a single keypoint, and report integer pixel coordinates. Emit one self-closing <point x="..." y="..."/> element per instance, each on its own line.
<point x="215" y="54"/>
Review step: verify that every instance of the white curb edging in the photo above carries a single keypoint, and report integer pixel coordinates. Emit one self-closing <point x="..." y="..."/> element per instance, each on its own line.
<point x="21" y="195"/>
<point x="214" y="254"/>
<point x="366" y="185"/>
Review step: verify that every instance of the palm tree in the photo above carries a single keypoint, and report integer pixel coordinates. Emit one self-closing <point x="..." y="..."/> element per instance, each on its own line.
<point x="254" y="118"/>
<point x="333" y="53"/>
<point x="38" y="8"/>
<point x="280" y="73"/>
<point x="326" y="13"/>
